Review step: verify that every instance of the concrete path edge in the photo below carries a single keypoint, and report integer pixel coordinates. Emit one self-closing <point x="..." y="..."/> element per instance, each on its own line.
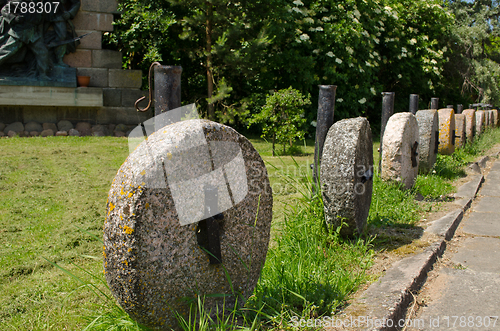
<point x="386" y="301"/>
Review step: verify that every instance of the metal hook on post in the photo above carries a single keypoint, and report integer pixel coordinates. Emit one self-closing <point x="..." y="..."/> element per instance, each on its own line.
<point x="150" y="90"/>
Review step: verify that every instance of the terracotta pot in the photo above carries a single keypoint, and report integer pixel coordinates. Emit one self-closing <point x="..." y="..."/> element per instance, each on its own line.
<point x="83" y="81"/>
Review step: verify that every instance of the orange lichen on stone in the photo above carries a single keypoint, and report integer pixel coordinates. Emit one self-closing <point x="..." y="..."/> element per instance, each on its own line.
<point x="128" y="230"/>
<point x="111" y="207"/>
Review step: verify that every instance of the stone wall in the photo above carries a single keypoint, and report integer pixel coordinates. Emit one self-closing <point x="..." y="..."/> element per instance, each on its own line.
<point x="112" y="91"/>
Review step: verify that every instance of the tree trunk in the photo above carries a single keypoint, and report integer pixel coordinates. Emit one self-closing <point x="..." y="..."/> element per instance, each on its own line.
<point x="210" y="77"/>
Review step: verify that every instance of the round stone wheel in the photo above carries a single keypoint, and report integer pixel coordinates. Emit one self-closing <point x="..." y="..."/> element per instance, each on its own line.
<point x="446" y="131"/>
<point x="400" y="150"/>
<point x="347" y="174"/>
<point x="470" y="123"/>
<point x="460" y="130"/>
<point x="156" y="236"/>
<point x="490" y="118"/>
<point x="428" y="126"/>
<point x="480" y="120"/>
<point x="495" y="117"/>
<point x="487" y="119"/>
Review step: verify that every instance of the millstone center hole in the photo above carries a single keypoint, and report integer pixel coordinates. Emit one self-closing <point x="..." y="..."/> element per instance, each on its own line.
<point x="204" y="237"/>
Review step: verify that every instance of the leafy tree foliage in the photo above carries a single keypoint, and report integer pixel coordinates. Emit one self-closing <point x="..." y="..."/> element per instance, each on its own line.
<point x="282" y="117"/>
<point x="475" y="37"/>
<point x="234" y="52"/>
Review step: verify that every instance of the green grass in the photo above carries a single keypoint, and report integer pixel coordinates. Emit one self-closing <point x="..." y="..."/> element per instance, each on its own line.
<point x="53" y="195"/>
<point x="48" y="187"/>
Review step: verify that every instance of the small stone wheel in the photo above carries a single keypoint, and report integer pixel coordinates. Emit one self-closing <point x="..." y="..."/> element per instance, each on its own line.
<point x="460" y="128"/>
<point x="446" y="131"/>
<point x="400" y="149"/>
<point x="480" y="120"/>
<point x="470" y="123"/>
<point x="191" y="188"/>
<point x="428" y="125"/>
<point x="495" y="117"/>
<point x="347" y="173"/>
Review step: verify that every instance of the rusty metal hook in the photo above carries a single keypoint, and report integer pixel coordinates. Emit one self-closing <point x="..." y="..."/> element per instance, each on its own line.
<point x="150" y="90"/>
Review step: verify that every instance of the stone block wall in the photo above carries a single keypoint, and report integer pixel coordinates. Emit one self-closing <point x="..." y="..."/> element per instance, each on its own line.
<point x="121" y="88"/>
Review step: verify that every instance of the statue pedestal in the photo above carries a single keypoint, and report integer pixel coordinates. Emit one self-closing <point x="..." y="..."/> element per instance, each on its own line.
<point x="11" y="95"/>
<point x="60" y="77"/>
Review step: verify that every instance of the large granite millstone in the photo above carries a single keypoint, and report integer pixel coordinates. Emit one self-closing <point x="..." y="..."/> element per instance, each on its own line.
<point x="446" y="131"/>
<point x="400" y="149"/>
<point x="428" y="126"/>
<point x="346" y="174"/>
<point x="157" y="233"/>
<point x="470" y="123"/>
<point x="460" y="130"/>
<point x="480" y="122"/>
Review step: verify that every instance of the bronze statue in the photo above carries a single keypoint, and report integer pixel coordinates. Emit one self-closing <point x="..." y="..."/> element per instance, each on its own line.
<point x="33" y="43"/>
<point x="25" y="30"/>
<point x="61" y="20"/>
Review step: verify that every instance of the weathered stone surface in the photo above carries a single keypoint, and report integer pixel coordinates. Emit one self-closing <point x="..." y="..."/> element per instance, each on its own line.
<point x="82" y="58"/>
<point x="480" y="122"/>
<point x="112" y="97"/>
<point x="64" y="125"/>
<point x="346" y="174"/>
<point x="106" y="58"/>
<point x="470" y="123"/>
<point x="2" y="127"/>
<point x="12" y="134"/>
<point x="74" y="133"/>
<point x="24" y="134"/>
<point x="93" y="21"/>
<point x="119" y="134"/>
<point x="446" y="131"/>
<point x="84" y="128"/>
<point x="151" y="261"/>
<point x="130" y="96"/>
<point x="51" y="97"/>
<point x="111" y="127"/>
<point x="487" y="119"/>
<point x="125" y="78"/>
<point x="495" y="117"/>
<point x="98" y="76"/>
<point x="33" y="126"/>
<point x="34" y="134"/>
<point x="100" y="128"/>
<point x="460" y="130"/>
<point x="98" y="134"/>
<point x="16" y="127"/>
<point x="108" y="6"/>
<point x="61" y="133"/>
<point x="91" y="41"/>
<point x="399" y="163"/>
<point x="47" y="133"/>
<point x="50" y="126"/>
<point x="2" y="134"/>
<point x="428" y="126"/>
<point x="121" y="127"/>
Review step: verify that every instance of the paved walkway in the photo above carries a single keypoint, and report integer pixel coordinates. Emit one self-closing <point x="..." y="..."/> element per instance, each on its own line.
<point x="464" y="293"/>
